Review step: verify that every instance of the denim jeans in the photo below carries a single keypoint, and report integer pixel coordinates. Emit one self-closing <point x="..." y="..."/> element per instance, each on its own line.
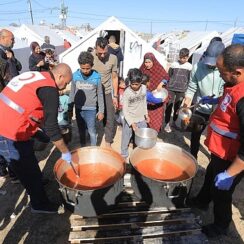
<point x="22" y="161"/>
<point x="127" y="132"/>
<point x="86" y="120"/>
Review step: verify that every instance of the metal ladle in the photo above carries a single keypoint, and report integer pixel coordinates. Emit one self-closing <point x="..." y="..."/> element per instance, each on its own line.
<point x="76" y="174"/>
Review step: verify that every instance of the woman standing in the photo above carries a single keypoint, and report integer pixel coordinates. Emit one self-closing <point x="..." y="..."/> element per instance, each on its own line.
<point x="157" y="73"/>
<point x="37" y="59"/>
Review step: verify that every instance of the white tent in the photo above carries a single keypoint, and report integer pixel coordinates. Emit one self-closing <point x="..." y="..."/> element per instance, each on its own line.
<point x="226" y="38"/>
<point x="192" y="41"/>
<point x="132" y="45"/>
<point x="69" y="36"/>
<point x="25" y="34"/>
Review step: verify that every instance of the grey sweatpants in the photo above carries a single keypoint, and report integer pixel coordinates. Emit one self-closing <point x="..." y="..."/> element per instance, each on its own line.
<point x="126" y="136"/>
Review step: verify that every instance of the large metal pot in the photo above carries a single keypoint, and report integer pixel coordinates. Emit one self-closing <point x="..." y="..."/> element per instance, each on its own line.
<point x="151" y="180"/>
<point x="99" y="183"/>
<point x="145" y="137"/>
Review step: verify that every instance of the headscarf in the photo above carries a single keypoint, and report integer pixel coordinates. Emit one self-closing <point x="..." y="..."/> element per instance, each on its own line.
<point x="157" y="73"/>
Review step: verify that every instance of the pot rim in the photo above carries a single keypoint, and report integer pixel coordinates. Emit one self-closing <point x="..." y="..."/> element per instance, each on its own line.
<point x="171" y="182"/>
<point x="89" y="190"/>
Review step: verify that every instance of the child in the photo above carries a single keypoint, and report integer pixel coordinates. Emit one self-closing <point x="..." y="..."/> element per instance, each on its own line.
<point x="134" y="109"/>
<point x="179" y="74"/>
<point x="49" y="58"/>
<point x="87" y="95"/>
<point x="63" y="118"/>
<point x="119" y="113"/>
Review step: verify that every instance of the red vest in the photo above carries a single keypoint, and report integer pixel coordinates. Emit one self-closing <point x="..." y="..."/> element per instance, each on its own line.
<point x="223" y="136"/>
<point x="21" y="109"/>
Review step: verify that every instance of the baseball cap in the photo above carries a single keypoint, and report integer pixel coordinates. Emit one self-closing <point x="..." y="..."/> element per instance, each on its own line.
<point x="214" y="49"/>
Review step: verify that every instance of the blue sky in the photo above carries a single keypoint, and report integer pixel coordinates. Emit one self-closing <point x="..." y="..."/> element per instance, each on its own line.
<point x="140" y="15"/>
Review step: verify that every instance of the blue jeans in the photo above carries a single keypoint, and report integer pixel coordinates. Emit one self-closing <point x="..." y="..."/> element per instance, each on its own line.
<point x="86" y="120"/>
<point x="22" y="161"/>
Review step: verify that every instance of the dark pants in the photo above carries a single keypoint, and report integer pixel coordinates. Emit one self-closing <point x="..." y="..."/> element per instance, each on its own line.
<point x="109" y="119"/>
<point x="222" y="199"/>
<point x="195" y="136"/>
<point x="22" y="161"/>
<point x="175" y="100"/>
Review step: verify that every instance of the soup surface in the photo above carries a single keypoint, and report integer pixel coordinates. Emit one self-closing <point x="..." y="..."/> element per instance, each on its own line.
<point x="91" y="176"/>
<point x="161" y="170"/>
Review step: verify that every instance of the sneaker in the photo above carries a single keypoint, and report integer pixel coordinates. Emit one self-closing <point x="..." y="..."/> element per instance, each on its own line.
<point x="213" y="230"/>
<point x="15" y="180"/>
<point x="3" y="171"/>
<point x="48" y="209"/>
<point x="195" y="203"/>
<point x="167" y="128"/>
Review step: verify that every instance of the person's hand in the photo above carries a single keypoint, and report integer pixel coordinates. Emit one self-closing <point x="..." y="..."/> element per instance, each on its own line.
<point x="115" y="102"/>
<point x="9" y="54"/>
<point x="223" y="181"/>
<point x="100" y="116"/>
<point x="186" y="103"/>
<point x="41" y="63"/>
<point x="208" y="100"/>
<point x="67" y="157"/>
<point x="134" y="127"/>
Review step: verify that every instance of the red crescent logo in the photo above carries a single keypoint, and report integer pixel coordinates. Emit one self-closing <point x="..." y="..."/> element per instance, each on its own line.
<point x="32" y="75"/>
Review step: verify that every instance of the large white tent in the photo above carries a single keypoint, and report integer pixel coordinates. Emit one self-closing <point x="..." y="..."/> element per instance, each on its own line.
<point x="226" y="38"/>
<point x="170" y="43"/>
<point x="132" y="45"/>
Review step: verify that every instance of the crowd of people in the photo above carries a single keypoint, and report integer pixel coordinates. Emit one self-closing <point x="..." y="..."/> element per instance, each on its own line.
<point x="97" y="93"/>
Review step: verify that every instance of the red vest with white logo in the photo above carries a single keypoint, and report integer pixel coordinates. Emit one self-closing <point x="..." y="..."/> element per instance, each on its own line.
<point x="223" y="136"/>
<point x="21" y="109"/>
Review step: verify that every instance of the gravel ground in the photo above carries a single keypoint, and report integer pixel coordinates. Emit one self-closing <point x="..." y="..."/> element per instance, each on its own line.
<point x="18" y="225"/>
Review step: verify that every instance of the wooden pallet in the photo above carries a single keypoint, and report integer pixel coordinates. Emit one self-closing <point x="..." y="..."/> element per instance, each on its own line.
<point x="134" y="222"/>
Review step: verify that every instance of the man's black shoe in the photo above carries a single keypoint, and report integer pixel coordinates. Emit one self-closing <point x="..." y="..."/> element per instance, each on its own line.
<point x="49" y="208"/>
<point x="3" y="171"/>
<point x="213" y="230"/>
<point x="195" y="203"/>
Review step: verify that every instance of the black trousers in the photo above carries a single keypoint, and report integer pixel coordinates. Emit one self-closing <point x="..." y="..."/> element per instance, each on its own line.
<point x="222" y="199"/>
<point x="195" y="136"/>
<point x="176" y="99"/>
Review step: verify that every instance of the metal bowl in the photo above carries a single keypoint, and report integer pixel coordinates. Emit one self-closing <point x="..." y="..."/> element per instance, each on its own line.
<point x="145" y="137"/>
<point x="163" y="93"/>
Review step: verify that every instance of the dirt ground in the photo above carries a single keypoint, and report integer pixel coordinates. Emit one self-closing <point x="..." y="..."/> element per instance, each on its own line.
<point x="18" y="225"/>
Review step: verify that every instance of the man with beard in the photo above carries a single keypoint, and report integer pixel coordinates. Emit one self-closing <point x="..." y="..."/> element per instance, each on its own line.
<point x="106" y="65"/>
<point x="10" y="68"/>
<point x="225" y="141"/>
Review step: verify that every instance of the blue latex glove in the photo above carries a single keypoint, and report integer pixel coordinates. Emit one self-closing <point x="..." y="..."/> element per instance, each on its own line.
<point x="223" y="181"/>
<point x="152" y="99"/>
<point x="67" y="157"/>
<point x="165" y="82"/>
<point x="209" y="100"/>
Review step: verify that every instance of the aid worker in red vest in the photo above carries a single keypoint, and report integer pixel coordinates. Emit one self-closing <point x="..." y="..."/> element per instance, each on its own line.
<point x="29" y="100"/>
<point x="225" y="141"/>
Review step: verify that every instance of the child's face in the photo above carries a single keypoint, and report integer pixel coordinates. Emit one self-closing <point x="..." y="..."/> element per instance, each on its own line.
<point x="135" y="86"/>
<point x="122" y="84"/>
<point x="183" y="59"/>
<point x="85" y="69"/>
<point x="48" y="55"/>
